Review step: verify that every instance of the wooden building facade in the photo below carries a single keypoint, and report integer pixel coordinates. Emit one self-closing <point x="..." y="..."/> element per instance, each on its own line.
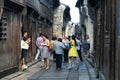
<point x="105" y="15"/>
<point x="105" y="38"/>
<point x="16" y="16"/>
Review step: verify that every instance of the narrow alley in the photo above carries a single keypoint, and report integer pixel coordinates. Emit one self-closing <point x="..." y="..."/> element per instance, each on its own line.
<point x="33" y="30"/>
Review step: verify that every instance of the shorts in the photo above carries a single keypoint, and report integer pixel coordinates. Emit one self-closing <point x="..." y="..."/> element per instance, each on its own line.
<point x="24" y="54"/>
<point x="87" y="46"/>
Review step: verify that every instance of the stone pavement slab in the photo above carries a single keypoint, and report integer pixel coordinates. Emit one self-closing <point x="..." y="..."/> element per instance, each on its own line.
<point x="23" y="75"/>
<point x="35" y="72"/>
<point x="83" y="72"/>
<point x="52" y="74"/>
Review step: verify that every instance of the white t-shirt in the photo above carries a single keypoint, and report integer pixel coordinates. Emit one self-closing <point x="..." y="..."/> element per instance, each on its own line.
<point x="24" y="45"/>
<point x="88" y="40"/>
<point x="78" y="44"/>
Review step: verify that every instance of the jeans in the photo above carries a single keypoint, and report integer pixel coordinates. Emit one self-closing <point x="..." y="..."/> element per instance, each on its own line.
<point x="58" y="60"/>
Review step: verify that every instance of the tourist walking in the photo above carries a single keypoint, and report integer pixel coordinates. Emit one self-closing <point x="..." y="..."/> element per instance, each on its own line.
<point x="59" y="50"/>
<point x="39" y="46"/>
<point x="79" y="47"/>
<point x="72" y="54"/>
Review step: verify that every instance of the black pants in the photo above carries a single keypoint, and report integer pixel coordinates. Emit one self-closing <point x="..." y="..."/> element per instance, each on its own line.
<point x="80" y="56"/>
<point x="24" y="54"/>
<point x="65" y="55"/>
<point x="54" y="56"/>
<point x="58" y="60"/>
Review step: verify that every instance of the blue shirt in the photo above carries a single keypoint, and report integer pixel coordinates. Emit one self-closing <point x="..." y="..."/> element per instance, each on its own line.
<point x="59" y="47"/>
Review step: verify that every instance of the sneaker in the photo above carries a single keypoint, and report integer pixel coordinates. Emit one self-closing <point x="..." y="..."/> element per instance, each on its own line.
<point x="73" y="65"/>
<point x="69" y="67"/>
<point x="47" y="68"/>
<point x="24" y="67"/>
<point x="58" y="69"/>
<point x="36" y="59"/>
<point x="42" y="60"/>
<point x="76" y="68"/>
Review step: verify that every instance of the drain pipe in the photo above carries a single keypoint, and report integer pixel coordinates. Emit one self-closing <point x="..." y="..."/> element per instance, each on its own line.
<point x="1" y="12"/>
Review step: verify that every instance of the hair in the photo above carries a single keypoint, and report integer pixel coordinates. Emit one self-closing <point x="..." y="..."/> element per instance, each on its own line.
<point x="69" y="38"/>
<point x="24" y="33"/>
<point x="60" y="39"/>
<point x="45" y="36"/>
<point x="40" y="34"/>
<point x="73" y="37"/>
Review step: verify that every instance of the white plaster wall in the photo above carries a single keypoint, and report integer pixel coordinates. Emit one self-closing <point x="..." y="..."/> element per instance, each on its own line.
<point x="70" y="29"/>
<point x="89" y="27"/>
<point x="58" y="21"/>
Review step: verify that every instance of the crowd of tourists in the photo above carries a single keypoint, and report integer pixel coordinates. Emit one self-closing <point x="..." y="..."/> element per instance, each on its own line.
<point x="66" y="49"/>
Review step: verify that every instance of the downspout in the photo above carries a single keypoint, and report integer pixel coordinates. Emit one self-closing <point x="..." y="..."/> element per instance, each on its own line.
<point x="1" y="12"/>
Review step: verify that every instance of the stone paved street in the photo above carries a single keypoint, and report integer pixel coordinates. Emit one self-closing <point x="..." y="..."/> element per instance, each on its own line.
<point x="35" y="72"/>
<point x="52" y="74"/>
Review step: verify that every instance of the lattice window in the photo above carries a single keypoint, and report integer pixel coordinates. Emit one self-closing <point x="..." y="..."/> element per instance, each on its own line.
<point x="3" y="28"/>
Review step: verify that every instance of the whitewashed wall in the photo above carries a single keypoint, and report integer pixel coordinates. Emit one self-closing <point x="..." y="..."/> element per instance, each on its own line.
<point x="89" y="26"/>
<point x="58" y="21"/>
<point x="70" y="29"/>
